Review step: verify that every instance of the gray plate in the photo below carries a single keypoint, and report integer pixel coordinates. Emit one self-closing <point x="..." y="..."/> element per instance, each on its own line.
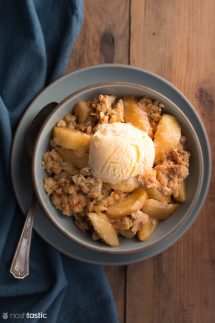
<point x="57" y="92"/>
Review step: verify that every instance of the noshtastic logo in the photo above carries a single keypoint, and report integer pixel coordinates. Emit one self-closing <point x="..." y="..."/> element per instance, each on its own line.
<point x="23" y="315"/>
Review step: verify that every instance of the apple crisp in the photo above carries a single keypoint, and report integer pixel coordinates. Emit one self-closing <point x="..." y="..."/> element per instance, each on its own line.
<point x="130" y="208"/>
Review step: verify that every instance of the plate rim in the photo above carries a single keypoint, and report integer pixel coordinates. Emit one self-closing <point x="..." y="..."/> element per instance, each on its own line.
<point x="162" y="80"/>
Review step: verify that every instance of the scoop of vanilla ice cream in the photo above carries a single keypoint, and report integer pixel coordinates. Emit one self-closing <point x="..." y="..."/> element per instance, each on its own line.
<point x="119" y="151"/>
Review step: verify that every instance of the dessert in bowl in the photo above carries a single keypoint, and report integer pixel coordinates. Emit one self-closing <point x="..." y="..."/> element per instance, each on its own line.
<point x="111" y="164"/>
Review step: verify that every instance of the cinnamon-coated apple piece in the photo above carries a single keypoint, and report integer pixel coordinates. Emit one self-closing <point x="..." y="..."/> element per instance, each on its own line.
<point x="181" y="196"/>
<point x="133" y="202"/>
<point x="155" y="194"/>
<point x="147" y="229"/>
<point x="81" y="111"/>
<point x="78" y="158"/>
<point x="104" y="228"/>
<point x="158" y="210"/>
<point x="70" y="138"/>
<point x="127" y="186"/>
<point x="135" y="115"/>
<point x="167" y="136"/>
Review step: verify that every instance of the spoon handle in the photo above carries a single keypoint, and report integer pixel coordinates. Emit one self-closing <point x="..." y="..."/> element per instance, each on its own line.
<point x="20" y="264"/>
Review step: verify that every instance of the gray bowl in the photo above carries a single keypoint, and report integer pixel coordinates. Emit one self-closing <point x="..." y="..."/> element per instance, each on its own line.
<point x="166" y="228"/>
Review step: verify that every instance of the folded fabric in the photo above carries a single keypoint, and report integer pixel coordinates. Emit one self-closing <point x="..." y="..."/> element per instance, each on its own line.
<point x="35" y="42"/>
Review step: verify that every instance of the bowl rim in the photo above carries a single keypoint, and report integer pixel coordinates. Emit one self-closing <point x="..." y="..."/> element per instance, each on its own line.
<point x="184" y="219"/>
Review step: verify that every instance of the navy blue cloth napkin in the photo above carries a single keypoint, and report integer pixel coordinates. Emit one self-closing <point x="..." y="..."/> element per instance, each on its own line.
<point x="35" y="42"/>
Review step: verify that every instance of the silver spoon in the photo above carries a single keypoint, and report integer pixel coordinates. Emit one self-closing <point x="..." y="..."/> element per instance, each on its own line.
<point x="20" y="263"/>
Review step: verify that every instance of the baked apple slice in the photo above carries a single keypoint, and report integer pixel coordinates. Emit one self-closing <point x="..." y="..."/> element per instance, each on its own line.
<point x="181" y="196"/>
<point x="167" y="136"/>
<point x="147" y="229"/>
<point x="126" y="186"/>
<point x="70" y="138"/>
<point x="104" y="228"/>
<point x="131" y="203"/>
<point x="155" y="194"/>
<point x="78" y="158"/>
<point x="82" y="111"/>
<point x="135" y="115"/>
<point x="158" y="210"/>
